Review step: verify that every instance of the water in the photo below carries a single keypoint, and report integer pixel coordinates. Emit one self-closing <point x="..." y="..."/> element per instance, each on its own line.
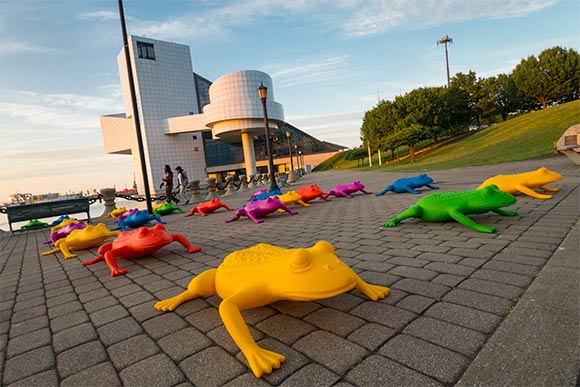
<point x="96" y="210"/>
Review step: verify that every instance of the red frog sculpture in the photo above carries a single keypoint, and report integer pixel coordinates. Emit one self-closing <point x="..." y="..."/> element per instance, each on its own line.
<point x="137" y="243"/>
<point x="312" y="192"/>
<point x="208" y="207"/>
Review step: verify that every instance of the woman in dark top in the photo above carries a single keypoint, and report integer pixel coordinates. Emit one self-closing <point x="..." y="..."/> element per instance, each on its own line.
<point x="168" y="183"/>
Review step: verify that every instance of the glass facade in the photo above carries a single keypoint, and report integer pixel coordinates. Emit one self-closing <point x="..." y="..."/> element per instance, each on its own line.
<point x="202" y="86"/>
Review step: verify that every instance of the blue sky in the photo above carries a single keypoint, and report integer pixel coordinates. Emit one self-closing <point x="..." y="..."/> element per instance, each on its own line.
<point x="330" y="61"/>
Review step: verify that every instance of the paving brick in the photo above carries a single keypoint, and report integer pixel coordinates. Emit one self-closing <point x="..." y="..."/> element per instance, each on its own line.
<point x="448" y="280"/>
<point x="413" y="262"/>
<point x="337" y="322"/>
<point x="448" y="268"/>
<point x="311" y="375"/>
<point x="450" y="336"/>
<point x="344" y="302"/>
<point x="381" y="313"/>
<point x="119" y="330"/>
<point x="412" y="272"/>
<point x="379" y="371"/>
<point x="132" y="350"/>
<point x="64" y="309"/>
<point x="103" y="374"/>
<point x="374" y="266"/>
<point x="437" y="257"/>
<point x="371" y="335"/>
<point x="221" y="337"/>
<point x="184" y="343"/>
<point x="100" y="303"/>
<point x="157" y="370"/>
<point x="63" y="322"/>
<point x="163" y="325"/>
<point x="27" y="314"/>
<point x="136" y="299"/>
<point x="332" y="351"/>
<point x="80" y="357"/>
<point x="28" y="326"/>
<point x="285" y="328"/>
<point x="61" y="299"/>
<point x="28" y="341"/>
<point x="73" y="336"/>
<point x="461" y="315"/>
<point x="376" y="278"/>
<point x="105" y="316"/>
<point x="495" y="289"/>
<point x="295" y="309"/>
<point x="515" y="268"/>
<point x="94" y="295"/>
<point x="44" y="379"/>
<point x="414" y="303"/>
<point x="429" y="359"/>
<point x="423" y="288"/>
<point x="197" y="370"/>
<point x="484" y="302"/>
<point x="28" y="303"/>
<point x="27" y="364"/>
<point x="145" y="311"/>
<point x="522" y="281"/>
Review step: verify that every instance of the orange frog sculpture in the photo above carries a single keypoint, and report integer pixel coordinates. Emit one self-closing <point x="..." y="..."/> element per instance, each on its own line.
<point x="90" y="236"/>
<point x="263" y="274"/>
<point x="137" y="243"/>
<point x="312" y="192"/>
<point x="208" y="207"/>
<point x="526" y="182"/>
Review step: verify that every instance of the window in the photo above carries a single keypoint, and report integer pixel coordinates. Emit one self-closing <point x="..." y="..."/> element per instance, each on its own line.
<point x="570" y="140"/>
<point x="146" y="50"/>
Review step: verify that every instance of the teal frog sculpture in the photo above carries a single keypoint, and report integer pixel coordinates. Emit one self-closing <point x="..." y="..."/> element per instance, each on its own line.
<point x="445" y="206"/>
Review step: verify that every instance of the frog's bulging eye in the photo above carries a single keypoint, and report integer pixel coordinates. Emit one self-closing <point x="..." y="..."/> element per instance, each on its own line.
<point x="329" y="267"/>
<point x="142" y="232"/>
<point x="300" y="261"/>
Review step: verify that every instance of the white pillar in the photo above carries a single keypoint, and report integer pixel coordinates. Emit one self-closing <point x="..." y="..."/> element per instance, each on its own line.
<point x="380" y="158"/>
<point x="249" y="154"/>
<point x="370" y="156"/>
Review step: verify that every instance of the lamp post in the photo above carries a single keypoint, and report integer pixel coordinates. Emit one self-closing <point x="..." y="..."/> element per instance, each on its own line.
<point x="263" y="94"/>
<point x="444" y="40"/>
<point x="288" y="135"/>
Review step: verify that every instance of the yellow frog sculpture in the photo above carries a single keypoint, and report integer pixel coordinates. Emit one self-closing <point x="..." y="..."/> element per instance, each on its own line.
<point x="85" y="238"/>
<point x="264" y="274"/>
<point x="116" y="212"/>
<point x="526" y="182"/>
<point x="292" y="197"/>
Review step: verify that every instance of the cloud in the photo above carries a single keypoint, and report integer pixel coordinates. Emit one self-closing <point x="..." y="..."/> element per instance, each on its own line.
<point x="305" y="71"/>
<point x="379" y="16"/>
<point x="99" y="15"/>
<point x="341" y="128"/>
<point x="19" y="47"/>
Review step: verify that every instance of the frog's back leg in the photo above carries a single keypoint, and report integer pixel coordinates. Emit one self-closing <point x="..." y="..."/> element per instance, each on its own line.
<point x="431" y="186"/>
<point x="468" y="222"/>
<point x="237" y="215"/>
<point x="408" y="188"/>
<point x="548" y="189"/>
<point x="365" y="192"/>
<point x="61" y="244"/>
<point x="387" y="189"/>
<point x="260" y="360"/>
<point x="192" y="212"/>
<point x="226" y="207"/>
<point x="202" y="285"/>
<point x="185" y="243"/>
<point x="530" y="192"/>
<point x="411" y="212"/>
<point x="303" y="204"/>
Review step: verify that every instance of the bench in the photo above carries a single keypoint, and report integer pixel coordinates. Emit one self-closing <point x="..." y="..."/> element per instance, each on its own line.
<point x="23" y="212"/>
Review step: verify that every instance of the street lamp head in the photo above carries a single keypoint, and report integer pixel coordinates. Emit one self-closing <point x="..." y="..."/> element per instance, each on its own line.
<point x="288" y="134"/>
<point x="262" y="91"/>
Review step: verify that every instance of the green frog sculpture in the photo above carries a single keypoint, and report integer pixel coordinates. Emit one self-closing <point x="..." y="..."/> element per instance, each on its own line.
<point x="446" y="206"/>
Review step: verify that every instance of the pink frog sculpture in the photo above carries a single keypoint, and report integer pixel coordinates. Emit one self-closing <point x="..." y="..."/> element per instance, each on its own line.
<point x="260" y="208"/>
<point x="127" y="213"/>
<point x="137" y="243"/>
<point x="345" y="190"/>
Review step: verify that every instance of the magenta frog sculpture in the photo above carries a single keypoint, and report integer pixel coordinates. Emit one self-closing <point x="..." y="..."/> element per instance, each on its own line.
<point x="260" y="208"/>
<point x="65" y="230"/>
<point x="127" y="213"/>
<point x="345" y="190"/>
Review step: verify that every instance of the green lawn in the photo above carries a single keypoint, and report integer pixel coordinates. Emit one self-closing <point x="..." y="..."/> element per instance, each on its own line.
<point x="527" y="136"/>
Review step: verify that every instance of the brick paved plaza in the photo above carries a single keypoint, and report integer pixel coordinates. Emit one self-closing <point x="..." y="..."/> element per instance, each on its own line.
<point x="465" y="308"/>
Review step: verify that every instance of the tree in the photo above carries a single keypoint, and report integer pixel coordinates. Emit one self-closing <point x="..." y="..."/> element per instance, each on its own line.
<point x="505" y="92"/>
<point x="553" y="77"/>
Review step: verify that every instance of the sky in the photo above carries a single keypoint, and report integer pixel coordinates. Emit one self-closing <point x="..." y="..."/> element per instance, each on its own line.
<point x="330" y="61"/>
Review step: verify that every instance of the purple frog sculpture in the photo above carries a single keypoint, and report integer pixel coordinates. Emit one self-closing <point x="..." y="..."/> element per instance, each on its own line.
<point x="345" y="190"/>
<point x="260" y="208"/>
<point x="126" y="214"/>
<point x="65" y="230"/>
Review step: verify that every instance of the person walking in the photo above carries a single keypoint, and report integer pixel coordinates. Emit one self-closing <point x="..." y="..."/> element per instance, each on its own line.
<point x="182" y="183"/>
<point x="167" y="181"/>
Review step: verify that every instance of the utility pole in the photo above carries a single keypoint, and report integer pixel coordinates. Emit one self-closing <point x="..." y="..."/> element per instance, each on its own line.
<point x="444" y="40"/>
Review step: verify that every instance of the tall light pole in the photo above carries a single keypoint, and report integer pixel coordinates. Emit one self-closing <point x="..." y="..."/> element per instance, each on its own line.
<point x="288" y="135"/>
<point x="135" y="110"/>
<point x="263" y="94"/>
<point x="444" y="40"/>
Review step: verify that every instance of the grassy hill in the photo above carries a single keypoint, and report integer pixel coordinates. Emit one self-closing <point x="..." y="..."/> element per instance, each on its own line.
<point x="528" y="136"/>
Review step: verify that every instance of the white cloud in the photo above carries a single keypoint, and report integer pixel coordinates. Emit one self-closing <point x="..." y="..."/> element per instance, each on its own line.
<point x="99" y="15"/>
<point x="303" y="71"/>
<point x="8" y="47"/>
<point x="341" y="128"/>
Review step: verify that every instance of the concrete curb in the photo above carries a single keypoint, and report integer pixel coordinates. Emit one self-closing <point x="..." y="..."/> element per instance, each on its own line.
<point x="537" y="344"/>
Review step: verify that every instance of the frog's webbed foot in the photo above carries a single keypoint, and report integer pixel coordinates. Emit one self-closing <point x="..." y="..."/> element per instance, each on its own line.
<point x="374" y="292"/>
<point x="169" y="304"/>
<point x="263" y="361"/>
